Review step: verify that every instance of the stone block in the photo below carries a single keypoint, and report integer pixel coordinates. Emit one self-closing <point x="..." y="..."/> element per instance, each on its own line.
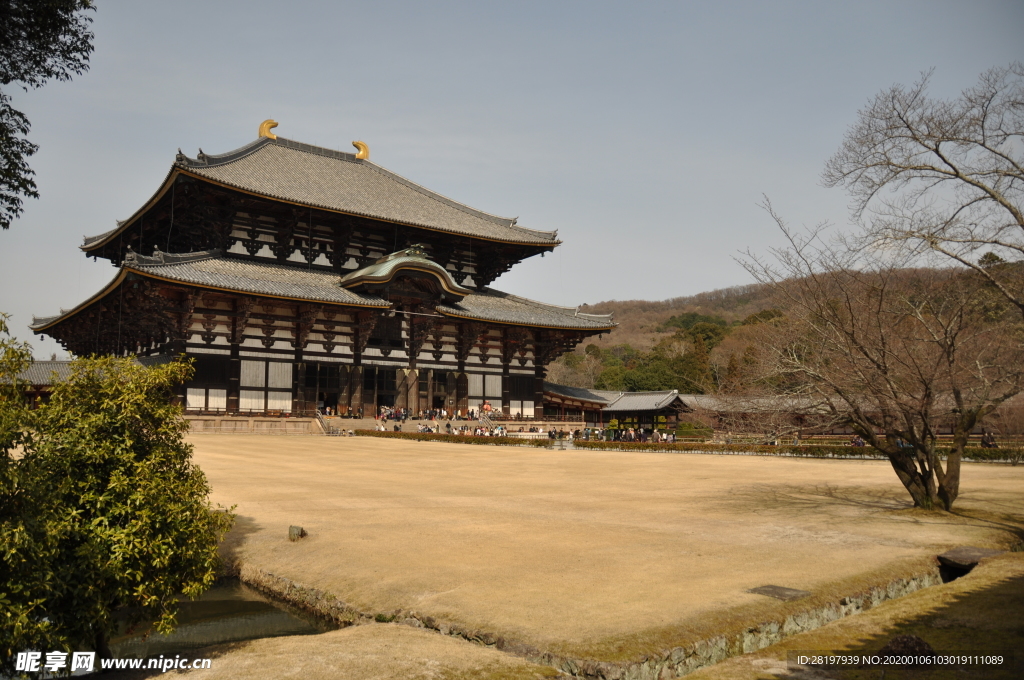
<point x="966" y="557"/>
<point x="779" y="592"/>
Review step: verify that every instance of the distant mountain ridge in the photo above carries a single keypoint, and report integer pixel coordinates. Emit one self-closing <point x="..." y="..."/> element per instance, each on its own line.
<point x="641" y="321"/>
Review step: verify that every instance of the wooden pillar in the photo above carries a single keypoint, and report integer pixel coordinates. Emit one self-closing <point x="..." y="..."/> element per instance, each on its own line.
<point x="402" y="376"/>
<point x="539" y="372"/>
<point x="355" y="377"/>
<point x="430" y="389"/>
<point x="451" y="396"/>
<point x="506" y="389"/>
<point x="234" y="378"/>
<point x="413" y="398"/>
<point x="370" y="397"/>
<point x="298" y="378"/>
<point x="344" y="389"/>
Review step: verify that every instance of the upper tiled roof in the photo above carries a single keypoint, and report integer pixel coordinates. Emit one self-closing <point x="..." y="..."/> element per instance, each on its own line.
<point x="493" y="305"/>
<point x="300" y="173"/>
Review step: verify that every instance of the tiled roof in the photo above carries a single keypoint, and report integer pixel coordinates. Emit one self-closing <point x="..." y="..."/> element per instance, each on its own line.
<point x="214" y="271"/>
<point x="619" y="401"/>
<point x="493" y="305"/>
<point x="41" y="372"/>
<point x="291" y="171"/>
<point x="643" y="401"/>
<point x="580" y="393"/>
<point x="86" y="240"/>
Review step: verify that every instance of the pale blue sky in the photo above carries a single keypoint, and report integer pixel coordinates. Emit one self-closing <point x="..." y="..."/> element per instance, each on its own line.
<point x="645" y="133"/>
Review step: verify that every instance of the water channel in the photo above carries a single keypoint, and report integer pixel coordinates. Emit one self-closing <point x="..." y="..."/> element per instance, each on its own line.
<point x="228" y="612"/>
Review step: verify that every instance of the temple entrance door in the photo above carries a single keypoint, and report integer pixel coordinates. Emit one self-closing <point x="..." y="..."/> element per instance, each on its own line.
<point x="328" y="400"/>
<point x="438" y="402"/>
<point x="385" y="401"/>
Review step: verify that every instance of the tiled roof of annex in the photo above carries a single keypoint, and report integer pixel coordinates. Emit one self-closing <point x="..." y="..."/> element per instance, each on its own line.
<point x="43" y="372"/>
<point x="616" y="401"/>
<point x="310" y="175"/>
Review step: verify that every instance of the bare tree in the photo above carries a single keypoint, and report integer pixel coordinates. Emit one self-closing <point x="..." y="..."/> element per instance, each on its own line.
<point x="945" y="176"/>
<point x="575" y="370"/>
<point x="895" y="352"/>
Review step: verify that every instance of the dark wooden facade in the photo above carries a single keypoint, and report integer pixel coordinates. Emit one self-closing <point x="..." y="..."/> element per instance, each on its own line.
<point x="253" y="288"/>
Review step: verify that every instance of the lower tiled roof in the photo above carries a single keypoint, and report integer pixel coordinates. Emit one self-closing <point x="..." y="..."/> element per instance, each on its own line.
<point x="216" y="271"/>
<point x="493" y="305"/>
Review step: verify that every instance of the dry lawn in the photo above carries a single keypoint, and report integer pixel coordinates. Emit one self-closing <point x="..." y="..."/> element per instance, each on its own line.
<point x="375" y="652"/>
<point x="603" y="555"/>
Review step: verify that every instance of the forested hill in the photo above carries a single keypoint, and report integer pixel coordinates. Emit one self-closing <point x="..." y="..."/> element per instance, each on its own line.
<point x="642" y="323"/>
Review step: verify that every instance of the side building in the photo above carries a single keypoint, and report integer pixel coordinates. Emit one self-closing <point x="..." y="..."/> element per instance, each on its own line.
<point x="298" y="277"/>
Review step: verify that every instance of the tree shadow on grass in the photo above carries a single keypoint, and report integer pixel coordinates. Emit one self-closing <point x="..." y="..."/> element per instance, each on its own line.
<point x="891" y="504"/>
<point x="231" y="546"/>
<point x="803" y="498"/>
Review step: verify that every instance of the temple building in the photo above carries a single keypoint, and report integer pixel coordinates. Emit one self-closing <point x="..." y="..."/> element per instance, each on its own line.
<point x="298" y="277"/>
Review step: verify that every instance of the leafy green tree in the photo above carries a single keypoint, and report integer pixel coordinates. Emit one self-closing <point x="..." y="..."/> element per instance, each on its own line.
<point x="710" y="334"/>
<point x="688" y="320"/>
<point x="698" y="372"/>
<point x="40" y="40"/>
<point x="612" y="378"/>
<point x="649" y="376"/>
<point x="27" y="532"/>
<point x="764" y="316"/>
<point x="733" y="379"/>
<point x="132" y="527"/>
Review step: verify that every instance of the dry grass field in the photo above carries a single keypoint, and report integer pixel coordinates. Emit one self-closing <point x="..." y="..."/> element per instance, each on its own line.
<point x="601" y="555"/>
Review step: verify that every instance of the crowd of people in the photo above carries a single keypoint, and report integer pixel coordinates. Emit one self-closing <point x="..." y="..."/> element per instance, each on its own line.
<point x="441" y="421"/>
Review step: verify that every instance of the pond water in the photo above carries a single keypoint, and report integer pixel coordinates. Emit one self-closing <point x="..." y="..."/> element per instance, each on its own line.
<point x="229" y="612"/>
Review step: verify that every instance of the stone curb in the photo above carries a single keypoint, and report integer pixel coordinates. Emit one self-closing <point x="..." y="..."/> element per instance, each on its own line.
<point x="675" y="662"/>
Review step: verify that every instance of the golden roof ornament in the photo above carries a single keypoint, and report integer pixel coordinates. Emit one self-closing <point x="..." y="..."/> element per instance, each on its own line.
<point x="364" y="151"/>
<point x="266" y="127"/>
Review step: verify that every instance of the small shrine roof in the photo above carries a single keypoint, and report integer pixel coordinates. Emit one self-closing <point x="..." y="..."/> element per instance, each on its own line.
<point x="323" y="178"/>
